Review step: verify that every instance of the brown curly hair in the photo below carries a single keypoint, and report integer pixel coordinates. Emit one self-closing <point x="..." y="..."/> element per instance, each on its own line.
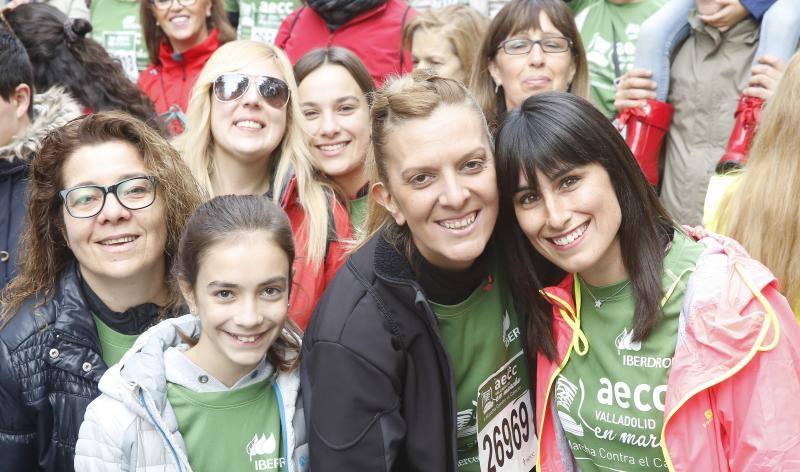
<point x="45" y="255"/>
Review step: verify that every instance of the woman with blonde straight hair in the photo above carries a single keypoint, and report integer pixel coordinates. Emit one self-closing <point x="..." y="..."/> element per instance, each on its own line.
<point x="244" y="136"/>
<point x="446" y="40"/>
<point x="768" y="226"/>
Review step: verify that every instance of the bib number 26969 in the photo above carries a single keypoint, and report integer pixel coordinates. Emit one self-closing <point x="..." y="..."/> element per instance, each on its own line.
<point x="505" y="440"/>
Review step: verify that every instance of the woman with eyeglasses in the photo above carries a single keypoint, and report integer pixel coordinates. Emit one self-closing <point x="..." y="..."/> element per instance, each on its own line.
<point x="108" y="198"/>
<point x="244" y="136"/>
<point x="180" y="36"/>
<point x="532" y="46"/>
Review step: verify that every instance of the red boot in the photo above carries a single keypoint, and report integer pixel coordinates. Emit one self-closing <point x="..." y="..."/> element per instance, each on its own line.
<point x="644" y="130"/>
<point x="748" y="115"/>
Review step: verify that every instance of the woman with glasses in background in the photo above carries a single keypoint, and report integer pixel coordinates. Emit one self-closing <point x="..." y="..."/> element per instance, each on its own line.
<point x="244" y="136"/>
<point x="532" y="46"/>
<point x="180" y="36"/>
<point x="108" y="198"/>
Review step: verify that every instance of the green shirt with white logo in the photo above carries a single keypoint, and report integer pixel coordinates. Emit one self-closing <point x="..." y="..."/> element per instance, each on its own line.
<point x="610" y="401"/>
<point x="609" y="32"/>
<point x="231" y="430"/>
<point x="113" y="344"/>
<point x="481" y="335"/>
<point x="115" y="25"/>
<point x="260" y="20"/>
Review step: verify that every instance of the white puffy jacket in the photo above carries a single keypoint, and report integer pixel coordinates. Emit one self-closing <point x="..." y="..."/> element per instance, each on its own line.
<point x="131" y="426"/>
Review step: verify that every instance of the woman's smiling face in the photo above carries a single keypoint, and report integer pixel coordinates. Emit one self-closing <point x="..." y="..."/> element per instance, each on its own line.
<point x="442" y="184"/>
<point x="248" y="129"/>
<point x="337" y="122"/>
<point x="573" y="220"/>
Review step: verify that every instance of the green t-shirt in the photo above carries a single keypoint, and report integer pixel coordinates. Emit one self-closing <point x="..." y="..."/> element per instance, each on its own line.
<point x="358" y="213"/>
<point x="115" y="25"/>
<point x="606" y="27"/>
<point x="233" y="430"/>
<point x="260" y="20"/>
<point x="113" y="344"/>
<point x="482" y="337"/>
<point x="610" y="401"/>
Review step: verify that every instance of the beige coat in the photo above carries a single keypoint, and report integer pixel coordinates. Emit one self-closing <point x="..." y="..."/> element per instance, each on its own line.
<point x="708" y="73"/>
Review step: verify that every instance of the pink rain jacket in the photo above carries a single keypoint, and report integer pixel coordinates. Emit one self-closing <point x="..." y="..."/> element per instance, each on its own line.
<point x="733" y="393"/>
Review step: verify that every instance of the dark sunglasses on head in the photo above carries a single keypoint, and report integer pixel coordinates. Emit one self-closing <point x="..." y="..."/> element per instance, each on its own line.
<point x="230" y="87"/>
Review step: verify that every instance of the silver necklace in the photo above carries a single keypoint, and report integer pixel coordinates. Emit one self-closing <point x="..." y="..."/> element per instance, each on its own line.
<point x="598" y="302"/>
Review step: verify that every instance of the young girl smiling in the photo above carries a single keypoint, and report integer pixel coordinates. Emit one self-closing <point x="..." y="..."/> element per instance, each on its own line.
<point x="217" y="389"/>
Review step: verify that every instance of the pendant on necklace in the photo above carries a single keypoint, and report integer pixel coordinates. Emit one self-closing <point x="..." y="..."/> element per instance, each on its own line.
<point x="598" y="303"/>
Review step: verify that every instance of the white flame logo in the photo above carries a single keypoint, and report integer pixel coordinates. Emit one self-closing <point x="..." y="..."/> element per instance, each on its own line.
<point x="624" y="341"/>
<point x="259" y="446"/>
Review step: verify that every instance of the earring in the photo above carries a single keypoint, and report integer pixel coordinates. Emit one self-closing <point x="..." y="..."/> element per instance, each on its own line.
<point x="496" y="88"/>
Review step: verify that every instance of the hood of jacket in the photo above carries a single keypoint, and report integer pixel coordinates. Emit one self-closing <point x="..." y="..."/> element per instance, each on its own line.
<point x="51" y="109"/>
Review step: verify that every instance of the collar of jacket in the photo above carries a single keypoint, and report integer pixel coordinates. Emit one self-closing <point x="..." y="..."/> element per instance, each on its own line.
<point x="73" y="316"/>
<point x="197" y="54"/>
<point x="745" y="31"/>
<point x="337" y="13"/>
<point x="52" y="109"/>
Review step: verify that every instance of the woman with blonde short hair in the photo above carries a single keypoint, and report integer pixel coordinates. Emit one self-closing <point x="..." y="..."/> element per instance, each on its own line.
<point x="446" y="40"/>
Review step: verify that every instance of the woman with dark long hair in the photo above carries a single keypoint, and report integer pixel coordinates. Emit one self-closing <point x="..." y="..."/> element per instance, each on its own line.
<point x="63" y="55"/>
<point x="658" y="346"/>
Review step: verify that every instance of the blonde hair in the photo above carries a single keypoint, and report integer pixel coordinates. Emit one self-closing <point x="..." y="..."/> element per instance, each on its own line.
<point x="759" y="212"/>
<point x="462" y="25"/>
<point x="413" y="96"/>
<point x="515" y="17"/>
<point x="196" y="144"/>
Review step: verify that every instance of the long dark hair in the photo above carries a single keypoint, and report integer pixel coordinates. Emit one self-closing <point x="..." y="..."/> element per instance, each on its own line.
<point x="61" y="54"/>
<point x="552" y="132"/>
<point x="231" y="215"/>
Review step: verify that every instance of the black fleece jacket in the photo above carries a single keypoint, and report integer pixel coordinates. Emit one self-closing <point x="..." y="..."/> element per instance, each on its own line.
<point x="378" y="384"/>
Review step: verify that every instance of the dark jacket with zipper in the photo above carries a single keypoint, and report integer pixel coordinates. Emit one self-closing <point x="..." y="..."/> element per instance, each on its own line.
<point x="50" y="364"/>
<point x="378" y="384"/>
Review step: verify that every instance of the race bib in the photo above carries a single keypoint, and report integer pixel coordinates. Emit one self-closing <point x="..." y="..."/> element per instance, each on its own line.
<point x="506" y="434"/>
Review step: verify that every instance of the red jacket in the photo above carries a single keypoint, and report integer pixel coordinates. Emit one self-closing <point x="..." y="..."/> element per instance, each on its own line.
<point x="309" y="282"/>
<point x="731" y="402"/>
<point x="171" y="82"/>
<point x="375" y="36"/>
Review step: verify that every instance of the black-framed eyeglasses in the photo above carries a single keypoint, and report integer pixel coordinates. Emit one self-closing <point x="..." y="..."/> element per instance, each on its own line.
<point x="232" y="86"/>
<point x="165" y="4"/>
<point x="552" y="45"/>
<point x="86" y="201"/>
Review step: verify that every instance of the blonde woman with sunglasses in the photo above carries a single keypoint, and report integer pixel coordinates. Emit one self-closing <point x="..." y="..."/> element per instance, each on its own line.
<point x="244" y="136"/>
